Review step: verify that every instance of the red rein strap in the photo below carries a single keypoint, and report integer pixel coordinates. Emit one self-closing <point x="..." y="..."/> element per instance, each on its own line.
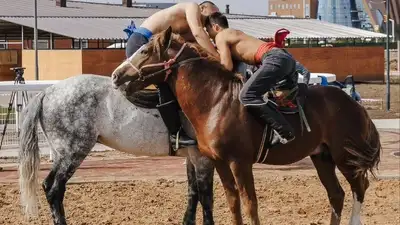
<point x="170" y="62"/>
<point x="166" y="64"/>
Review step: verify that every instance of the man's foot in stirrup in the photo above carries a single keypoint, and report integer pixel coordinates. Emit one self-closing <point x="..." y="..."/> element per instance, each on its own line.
<point x="183" y="139"/>
<point x="281" y="139"/>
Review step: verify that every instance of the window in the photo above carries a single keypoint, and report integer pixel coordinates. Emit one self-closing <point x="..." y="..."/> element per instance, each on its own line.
<point x="283" y="6"/>
<point x="3" y="44"/>
<point x="279" y="6"/>
<point x="287" y="6"/>
<point x="290" y="6"/>
<point x="42" y="44"/>
<point x="271" y="7"/>
<point x="84" y="44"/>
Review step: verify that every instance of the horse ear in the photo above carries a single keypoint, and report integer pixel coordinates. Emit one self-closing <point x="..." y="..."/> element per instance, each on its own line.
<point x="168" y="37"/>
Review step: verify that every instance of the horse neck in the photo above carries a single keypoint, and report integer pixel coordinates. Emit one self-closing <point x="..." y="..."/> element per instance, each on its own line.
<point x="207" y="87"/>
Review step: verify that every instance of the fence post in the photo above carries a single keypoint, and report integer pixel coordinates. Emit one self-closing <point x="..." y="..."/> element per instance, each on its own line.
<point x="16" y="111"/>
<point x="398" y="57"/>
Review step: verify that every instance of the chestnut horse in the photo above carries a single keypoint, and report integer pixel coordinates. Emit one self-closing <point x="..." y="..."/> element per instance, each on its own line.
<point x="342" y="134"/>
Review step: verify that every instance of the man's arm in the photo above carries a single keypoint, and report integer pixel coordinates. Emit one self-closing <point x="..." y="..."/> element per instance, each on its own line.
<point x="303" y="70"/>
<point x="224" y="51"/>
<point x="193" y="16"/>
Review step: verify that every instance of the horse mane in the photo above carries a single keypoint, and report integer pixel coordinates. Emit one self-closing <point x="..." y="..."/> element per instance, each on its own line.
<point x="213" y="62"/>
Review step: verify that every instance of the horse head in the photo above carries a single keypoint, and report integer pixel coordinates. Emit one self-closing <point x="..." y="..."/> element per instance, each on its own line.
<point x="152" y="63"/>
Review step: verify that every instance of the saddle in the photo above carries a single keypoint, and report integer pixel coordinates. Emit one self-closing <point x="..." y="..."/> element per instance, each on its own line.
<point x="287" y="101"/>
<point x="147" y="98"/>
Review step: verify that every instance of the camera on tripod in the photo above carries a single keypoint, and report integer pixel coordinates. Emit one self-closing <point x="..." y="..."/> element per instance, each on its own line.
<point x="19" y="79"/>
<point x="19" y="71"/>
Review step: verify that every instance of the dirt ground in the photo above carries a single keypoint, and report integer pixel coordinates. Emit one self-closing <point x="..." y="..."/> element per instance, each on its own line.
<point x="377" y="110"/>
<point x="117" y="188"/>
<point x="283" y="199"/>
<point x="393" y="65"/>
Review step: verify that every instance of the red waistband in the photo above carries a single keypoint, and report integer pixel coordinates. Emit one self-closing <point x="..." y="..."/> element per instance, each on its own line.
<point x="264" y="48"/>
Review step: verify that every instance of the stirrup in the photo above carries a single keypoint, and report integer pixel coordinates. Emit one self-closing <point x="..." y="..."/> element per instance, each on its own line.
<point x="177" y="139"/>
<point x="282" y="139"/>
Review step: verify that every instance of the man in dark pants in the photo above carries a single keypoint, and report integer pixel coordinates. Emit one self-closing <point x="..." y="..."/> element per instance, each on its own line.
<point x="187" y="19"/>
<point x="299" y="69"/>
<point x="275" y="63"/>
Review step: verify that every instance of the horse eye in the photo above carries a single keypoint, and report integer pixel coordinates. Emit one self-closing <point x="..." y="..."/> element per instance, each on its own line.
<point x="144" y="52"/>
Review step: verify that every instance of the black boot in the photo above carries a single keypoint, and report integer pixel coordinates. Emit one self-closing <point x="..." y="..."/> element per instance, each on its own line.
<point x="284" y="133"/>
<point x="169" y="113"/>
<point x="169" y="110"/>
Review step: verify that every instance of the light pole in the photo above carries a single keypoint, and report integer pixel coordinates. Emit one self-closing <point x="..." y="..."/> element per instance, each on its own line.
<point x="35" y="34"/>
<point x="387" y="57"/>
<point x="387" y="16"/>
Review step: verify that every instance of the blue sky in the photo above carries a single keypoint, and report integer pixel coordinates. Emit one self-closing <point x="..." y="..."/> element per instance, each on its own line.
<point x="257" y="7"/>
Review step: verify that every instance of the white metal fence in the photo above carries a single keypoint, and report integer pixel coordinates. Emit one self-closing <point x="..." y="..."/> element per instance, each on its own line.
<point x="11" y="136"/>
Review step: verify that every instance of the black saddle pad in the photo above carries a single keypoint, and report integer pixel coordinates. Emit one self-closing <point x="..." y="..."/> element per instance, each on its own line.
<point x="146" y="98"/>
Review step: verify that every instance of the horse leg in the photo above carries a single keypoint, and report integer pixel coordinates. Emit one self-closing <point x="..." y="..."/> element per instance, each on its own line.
<point x="200" y="171"/>
<point x="64" y="167"/>
<point x="231" y="193"/>
<point x="193" y="197"/>
<point x="243" y="173"/>
<point x="359" y="185"/>
<point x="325" y="166"/>
<point x="205" y="178"/>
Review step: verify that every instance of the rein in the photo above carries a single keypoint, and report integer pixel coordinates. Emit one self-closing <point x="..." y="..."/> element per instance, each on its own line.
<point x="168" y="65"/>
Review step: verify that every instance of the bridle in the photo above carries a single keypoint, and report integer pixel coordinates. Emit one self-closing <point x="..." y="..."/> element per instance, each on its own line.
<point x="168" y="65"/>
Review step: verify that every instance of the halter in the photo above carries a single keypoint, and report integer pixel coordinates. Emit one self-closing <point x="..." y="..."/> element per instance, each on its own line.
<point x="168" y="65"/>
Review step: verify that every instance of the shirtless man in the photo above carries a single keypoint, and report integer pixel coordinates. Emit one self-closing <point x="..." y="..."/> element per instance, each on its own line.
<point x="276" y="64"/>
<point x="186" y="19"/>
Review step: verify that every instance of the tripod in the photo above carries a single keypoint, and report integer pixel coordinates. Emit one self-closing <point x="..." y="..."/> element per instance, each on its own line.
<point x="19" y="79"/>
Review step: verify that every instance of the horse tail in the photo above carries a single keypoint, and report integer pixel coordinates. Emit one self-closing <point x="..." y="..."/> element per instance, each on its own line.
<point x="29" y="159"/>
<point x="366" y="150"/>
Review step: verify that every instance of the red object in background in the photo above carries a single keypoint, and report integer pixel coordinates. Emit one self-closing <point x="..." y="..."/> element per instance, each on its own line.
<point x="280" y="36"/>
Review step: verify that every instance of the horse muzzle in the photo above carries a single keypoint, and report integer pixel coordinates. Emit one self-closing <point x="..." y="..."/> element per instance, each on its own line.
<point x="116" y="80"/>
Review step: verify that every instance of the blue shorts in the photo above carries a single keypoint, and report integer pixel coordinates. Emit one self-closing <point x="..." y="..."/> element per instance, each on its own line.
<point x="140" y="37"/>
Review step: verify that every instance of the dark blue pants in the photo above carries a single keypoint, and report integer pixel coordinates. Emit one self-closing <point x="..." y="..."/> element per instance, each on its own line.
<point x="276" y="65"/>
<point x="135" y="41"/>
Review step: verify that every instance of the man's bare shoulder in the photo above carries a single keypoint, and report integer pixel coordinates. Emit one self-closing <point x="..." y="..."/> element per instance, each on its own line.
<point x="224" y="34"/>
<point x="229" y="35"/>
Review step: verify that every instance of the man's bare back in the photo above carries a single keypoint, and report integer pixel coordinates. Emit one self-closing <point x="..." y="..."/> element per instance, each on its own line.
<point x="174" y="16"/>
<point x="185" y="19"/>
<point x="242" y="46"/>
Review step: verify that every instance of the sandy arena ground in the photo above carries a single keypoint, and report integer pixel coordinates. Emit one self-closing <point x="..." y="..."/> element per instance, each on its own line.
<point x="116" y="188"/>
<point x="378" y="91"/>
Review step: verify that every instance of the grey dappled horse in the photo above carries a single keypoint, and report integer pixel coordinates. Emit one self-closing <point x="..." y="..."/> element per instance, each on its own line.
<point x="78" y="112"/>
